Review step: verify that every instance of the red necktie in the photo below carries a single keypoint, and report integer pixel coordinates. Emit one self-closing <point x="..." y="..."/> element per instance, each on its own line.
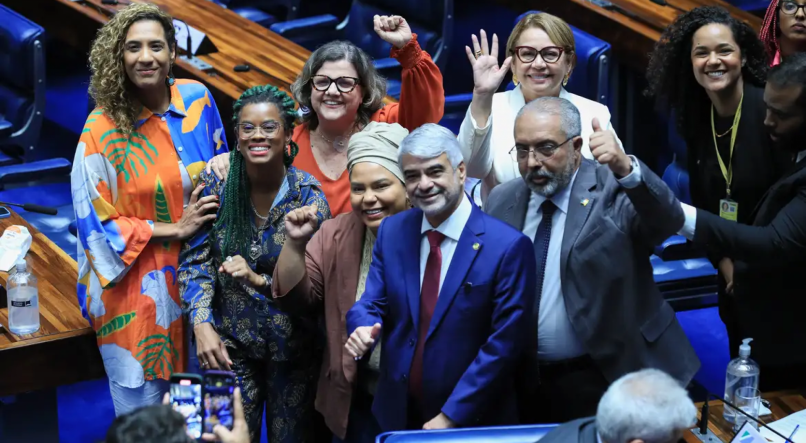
<point x="428" y="301"/>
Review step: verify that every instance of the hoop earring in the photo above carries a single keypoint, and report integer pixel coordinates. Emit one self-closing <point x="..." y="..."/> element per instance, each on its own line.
<point x="565" y="80"/>
<point x="170" y="80"/>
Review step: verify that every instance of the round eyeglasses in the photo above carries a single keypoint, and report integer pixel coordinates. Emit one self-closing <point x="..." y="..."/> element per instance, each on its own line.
<point x="549" y="54"/>
<point x="541" y="153"/>
<point x="343" y="84"/>
<point x="248" y="130"/>
<point x="791" y="8"/>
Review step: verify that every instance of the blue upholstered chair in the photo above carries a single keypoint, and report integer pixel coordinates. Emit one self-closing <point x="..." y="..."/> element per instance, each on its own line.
<point x="681" y="271"/>
<point x="22" y="100"/>
<point x="431" y="20"/>
<point x="261" y="11"/>
<point x="498" y="434"/>
<point x="757" y="7"/>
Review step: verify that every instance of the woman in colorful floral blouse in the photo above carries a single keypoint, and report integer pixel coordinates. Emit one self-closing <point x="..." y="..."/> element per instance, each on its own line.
<point x="133" y="180"/>
<point x="225" y="272"/>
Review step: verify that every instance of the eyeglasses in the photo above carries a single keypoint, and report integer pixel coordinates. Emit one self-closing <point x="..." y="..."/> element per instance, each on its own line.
<point x="343" y="84"/>
<point x="541" y="153"/>
<point x="791" y="8"/>
<point x="268" y="129"/>
<point x="549" y="54"/>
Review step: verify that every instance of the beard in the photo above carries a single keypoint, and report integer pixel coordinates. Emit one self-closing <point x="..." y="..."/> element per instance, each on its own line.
<point x="555" y="183"/>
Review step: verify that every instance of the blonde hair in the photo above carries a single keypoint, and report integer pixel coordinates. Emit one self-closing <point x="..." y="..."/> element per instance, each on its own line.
<point x="110" y="86"/>
<point x="558" y="31"/>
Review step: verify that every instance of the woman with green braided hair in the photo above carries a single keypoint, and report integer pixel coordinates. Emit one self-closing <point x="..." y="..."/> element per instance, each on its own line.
<point x="225" y="270"/>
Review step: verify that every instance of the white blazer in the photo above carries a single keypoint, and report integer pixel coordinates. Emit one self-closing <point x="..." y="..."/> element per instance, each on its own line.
<point x="486" y="150"/>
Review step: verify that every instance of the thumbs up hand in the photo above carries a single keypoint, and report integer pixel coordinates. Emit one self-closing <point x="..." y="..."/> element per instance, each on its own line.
<point x="362" y="339"/>
<point x="606" y="150"/>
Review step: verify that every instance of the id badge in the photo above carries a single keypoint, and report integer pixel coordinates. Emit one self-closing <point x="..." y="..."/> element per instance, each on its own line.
<point x="728" y="209"/>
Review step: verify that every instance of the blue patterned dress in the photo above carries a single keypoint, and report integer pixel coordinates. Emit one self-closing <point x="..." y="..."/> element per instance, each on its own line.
<point x="275" y="355"/>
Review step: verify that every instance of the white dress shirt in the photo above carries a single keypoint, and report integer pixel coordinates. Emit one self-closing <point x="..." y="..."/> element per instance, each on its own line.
<point x="486" y="150"/>
<point x="690" y="225"/>
<point x="452" y="229"/>
<point x="557" y="339"/>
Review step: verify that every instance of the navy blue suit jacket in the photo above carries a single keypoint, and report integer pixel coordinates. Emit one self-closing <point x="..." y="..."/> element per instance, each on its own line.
<point x="476" y="332"/>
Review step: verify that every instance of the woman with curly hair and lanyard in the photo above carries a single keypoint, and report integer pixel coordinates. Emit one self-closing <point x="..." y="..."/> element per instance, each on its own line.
<point x="225" y="272"/>
<point x="709" y="69"/>
<point x="134" y="174"/>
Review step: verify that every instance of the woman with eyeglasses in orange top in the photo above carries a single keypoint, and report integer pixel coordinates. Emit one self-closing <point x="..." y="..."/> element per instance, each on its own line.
<point x="341" y="92"/>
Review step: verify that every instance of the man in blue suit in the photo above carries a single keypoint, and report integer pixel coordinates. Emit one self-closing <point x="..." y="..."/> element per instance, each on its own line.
<point x="449" y="290"/>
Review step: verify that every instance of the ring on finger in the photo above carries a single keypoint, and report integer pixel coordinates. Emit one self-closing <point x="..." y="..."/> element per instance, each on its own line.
<point x="229" y="258"/>
<point x="478" y="54"/>
<point x="197" y="205"/>
<point x="235" y="274"/>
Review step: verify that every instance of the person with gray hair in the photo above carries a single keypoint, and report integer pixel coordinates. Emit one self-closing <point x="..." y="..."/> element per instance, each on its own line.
<point x="340" y="92"/>
<point x="598" y="313"/>
<point x="450" y="289"/>
<point x="647" y="406"/>
<point x="328" y="269"/>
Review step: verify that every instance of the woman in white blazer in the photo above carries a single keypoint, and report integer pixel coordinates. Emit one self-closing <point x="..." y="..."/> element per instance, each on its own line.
<point x="541" y="52"/>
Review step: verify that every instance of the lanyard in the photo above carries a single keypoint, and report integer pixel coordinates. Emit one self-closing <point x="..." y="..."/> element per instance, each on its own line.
<point x="727" y="173"/>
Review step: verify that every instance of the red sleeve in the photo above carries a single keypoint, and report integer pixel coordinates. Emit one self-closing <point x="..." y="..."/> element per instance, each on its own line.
<point x="422" y="97"/>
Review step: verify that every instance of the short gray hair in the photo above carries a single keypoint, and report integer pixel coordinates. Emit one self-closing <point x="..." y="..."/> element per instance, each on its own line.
<point x="429" y="141"/>
<point x="567" y="111"/>
<point x="649" y="405"/>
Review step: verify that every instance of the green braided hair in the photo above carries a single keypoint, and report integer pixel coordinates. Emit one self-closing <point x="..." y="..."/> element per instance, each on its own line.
<point x="236" y="214"/>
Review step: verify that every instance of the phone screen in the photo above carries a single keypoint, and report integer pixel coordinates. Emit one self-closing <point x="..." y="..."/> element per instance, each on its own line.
<point x="4" y="212"/>
<point x="218" y="390"/>
<point x="186" y="397"/>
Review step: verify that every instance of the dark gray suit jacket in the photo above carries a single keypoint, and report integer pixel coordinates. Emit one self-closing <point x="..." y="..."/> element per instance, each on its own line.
<point x="582" y="430"/>
<point x="610" y="294"/>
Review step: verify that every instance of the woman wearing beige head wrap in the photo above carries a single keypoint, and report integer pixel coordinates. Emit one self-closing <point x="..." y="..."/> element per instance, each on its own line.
<point x="331" y="269"/>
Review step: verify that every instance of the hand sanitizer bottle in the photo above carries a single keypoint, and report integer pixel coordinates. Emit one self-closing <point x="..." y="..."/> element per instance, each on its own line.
<point x="742" y="372"/>
<point x="23" y="301"/>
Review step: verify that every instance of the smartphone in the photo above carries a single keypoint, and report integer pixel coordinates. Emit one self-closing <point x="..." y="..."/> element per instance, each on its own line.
<point x="4" y="212"/>
<point x="218" y="388"/>
<point x="186" y="398"/>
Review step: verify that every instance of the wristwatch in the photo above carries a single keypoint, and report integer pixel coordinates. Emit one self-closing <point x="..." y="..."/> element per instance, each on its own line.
<point x="266" y="281"/>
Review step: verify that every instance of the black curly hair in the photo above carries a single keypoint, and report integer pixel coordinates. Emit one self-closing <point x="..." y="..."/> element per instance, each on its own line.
<point x="236" y="213"/>
<point x="670" y="75"/>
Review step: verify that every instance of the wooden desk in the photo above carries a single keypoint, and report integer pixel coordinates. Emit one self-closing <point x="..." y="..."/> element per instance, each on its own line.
<point x="781" y="404"/>
<point x="64" y="349"/>
<point x="632" y="33"/>
<point x="274" y="59"/>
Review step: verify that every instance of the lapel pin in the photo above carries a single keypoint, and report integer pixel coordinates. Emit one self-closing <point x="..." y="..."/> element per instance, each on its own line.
<point x="476" y="246"/>
<point x="585" y="202"/>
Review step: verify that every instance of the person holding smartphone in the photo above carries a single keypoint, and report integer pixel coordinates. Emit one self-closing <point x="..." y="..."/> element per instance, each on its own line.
<point x="225" y="271"/>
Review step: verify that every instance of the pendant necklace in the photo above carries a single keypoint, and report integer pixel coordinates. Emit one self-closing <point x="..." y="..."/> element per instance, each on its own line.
<point x="340" y="142"/>
<point x="255" y="249"/>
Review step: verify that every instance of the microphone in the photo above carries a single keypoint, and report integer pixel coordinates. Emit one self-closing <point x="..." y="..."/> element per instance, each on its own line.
<point x="703" y="428"/>
<point x="188" y="41"/>
<point x="47" y="210"/>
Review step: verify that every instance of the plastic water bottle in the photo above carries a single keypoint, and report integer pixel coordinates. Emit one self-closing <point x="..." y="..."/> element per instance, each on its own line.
<point x="23" y="301"/>
<point x="742" y="372"/>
